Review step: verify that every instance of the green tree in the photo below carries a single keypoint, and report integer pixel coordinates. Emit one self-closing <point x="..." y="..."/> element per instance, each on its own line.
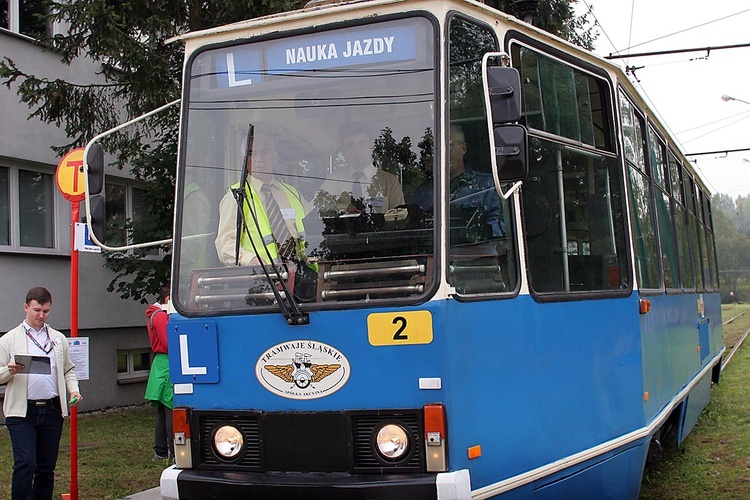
<point x="396" y="157"/>
<point x="730" y="222"/>
<point x="554" y="16"/>
<point x="142" y="71"/>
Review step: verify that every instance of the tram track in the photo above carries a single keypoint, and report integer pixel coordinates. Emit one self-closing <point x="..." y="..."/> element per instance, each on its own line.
<point x="737" y="344"/>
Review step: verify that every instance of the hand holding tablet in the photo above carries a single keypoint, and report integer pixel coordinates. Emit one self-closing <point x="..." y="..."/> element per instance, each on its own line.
<point x="39" y="365"/>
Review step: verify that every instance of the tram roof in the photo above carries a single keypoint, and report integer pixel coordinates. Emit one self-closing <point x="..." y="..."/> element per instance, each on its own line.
<point x="317" y="8"/>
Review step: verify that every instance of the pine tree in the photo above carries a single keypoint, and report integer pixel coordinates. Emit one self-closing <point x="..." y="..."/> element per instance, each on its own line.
<point x="143" y="71"/>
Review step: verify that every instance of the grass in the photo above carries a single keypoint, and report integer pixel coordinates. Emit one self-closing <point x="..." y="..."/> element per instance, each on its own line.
<point x="115" y="447"/>
<point x="114" y="455"/>
<point x="714" y="461"/>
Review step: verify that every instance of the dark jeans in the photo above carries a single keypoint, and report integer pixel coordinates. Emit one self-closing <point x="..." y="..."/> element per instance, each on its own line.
<point x="36" y="440"/>
<point x="163" y="435"/>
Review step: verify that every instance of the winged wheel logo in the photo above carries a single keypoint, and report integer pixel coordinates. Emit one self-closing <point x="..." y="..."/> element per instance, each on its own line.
<point x="301" y="371"/>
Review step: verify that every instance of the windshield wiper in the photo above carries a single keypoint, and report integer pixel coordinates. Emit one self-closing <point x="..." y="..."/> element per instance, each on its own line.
<point x="292" y="313"/>
<point x="240" y="196"/>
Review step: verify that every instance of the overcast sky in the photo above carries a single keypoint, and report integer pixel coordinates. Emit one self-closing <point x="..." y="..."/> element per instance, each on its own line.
<point x="686" y="89"/>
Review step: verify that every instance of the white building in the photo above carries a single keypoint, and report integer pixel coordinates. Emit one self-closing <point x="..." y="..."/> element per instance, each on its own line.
<point x="35" y="227"/>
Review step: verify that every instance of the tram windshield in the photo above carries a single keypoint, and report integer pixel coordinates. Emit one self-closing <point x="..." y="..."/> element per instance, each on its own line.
<point x="337" y="128"/>
<point x="333" y="132"/>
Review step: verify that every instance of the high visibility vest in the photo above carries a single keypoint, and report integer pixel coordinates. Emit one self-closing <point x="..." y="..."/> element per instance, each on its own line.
<point x="266" y="235"/>
<point x="191" y="188"/>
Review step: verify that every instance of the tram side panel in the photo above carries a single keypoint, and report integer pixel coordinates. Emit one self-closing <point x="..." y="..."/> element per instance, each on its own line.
<point x="533" y="383"/>
<point x="681" y="334"/>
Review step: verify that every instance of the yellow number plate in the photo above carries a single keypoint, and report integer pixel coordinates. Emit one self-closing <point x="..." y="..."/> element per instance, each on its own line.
<point x="412" y="327"/>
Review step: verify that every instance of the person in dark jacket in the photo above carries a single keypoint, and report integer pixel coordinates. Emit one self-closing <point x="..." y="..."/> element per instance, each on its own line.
<point x="159" y="388"/>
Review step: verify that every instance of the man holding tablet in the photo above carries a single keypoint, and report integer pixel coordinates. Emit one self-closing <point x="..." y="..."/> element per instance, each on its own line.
<point x="35" y="363"/>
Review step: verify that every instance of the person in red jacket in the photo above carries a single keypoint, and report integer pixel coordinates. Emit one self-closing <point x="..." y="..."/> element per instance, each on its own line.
<point x="159" y="388"/>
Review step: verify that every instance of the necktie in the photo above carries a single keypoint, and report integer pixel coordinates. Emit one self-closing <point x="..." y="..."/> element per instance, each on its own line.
<point x="358" y="181"/>
<point x="275" y="218"/>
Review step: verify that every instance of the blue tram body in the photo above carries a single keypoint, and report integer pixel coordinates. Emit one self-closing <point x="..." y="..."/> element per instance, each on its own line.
<point x="534" y="384"/>
<point x="464" y="261"/>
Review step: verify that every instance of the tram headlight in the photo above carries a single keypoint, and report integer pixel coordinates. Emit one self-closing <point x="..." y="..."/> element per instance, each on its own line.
<point x="228" y="441"/>
<point x="392" y="442"/>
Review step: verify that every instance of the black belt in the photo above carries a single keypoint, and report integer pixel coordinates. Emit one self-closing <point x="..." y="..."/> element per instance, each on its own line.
<point x="44" y="402"/>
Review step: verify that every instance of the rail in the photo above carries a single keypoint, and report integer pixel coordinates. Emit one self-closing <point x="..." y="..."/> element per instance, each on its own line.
<point x="736" y="346"/>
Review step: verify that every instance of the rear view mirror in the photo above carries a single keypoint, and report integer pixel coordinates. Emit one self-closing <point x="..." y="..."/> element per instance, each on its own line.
<point x="509" y="140"/>
<point x="511" y="146"/>
<point x="504" y="94"/>
<point x="97" y="194"/>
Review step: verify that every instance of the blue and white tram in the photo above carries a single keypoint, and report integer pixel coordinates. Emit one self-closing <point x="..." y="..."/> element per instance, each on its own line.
<point x="475" y="338"/>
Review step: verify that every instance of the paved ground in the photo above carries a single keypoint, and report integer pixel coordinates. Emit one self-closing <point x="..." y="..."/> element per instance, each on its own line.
<point x="152" y="494"/>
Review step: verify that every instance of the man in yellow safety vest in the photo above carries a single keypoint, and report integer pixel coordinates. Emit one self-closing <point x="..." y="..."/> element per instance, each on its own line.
<point x="273" y="211"/>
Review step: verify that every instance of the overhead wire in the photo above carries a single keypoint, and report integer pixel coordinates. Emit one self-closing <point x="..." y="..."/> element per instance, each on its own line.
<point x="686" y="29"/>
<point x="679" y="143"/>
<point x="597" y="23"/>
<point x="714" y="122"/>
<point x="630" y="31"/>
<point x="717" y="129"/>
<point x="641" y="88"/>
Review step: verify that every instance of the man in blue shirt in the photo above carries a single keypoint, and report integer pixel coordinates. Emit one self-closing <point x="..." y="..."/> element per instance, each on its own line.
<point x="468" y="188"/>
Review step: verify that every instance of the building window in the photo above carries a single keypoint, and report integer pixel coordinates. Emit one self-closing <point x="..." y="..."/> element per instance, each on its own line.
<point x="27" y="209"/>
<point x="4" y="206"/>
<point x="36" y="209"/>
<point x="133" y="365"/>
<point x="27" y="17"/>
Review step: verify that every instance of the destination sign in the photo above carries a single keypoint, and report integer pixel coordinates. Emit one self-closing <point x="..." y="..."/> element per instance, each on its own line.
<point x="344" y="48"/>
<point x="249" y="64"/>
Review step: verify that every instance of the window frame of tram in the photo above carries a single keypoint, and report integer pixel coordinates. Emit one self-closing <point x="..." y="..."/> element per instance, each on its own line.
<point x="711" y="252"/>
<point x="488" y="263"/>
<point x="703" y="235"/>
<point x="568" y="109"/>
<point x="642" y="214"/>
<point x="665" y="222"/>
<point x="687" y="274"/>
<point x="692" y="226"/>
<point x="230" y="151"/>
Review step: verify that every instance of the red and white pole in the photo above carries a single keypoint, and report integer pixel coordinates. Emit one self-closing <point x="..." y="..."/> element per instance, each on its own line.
<point x="74" y="215"/>
<point x="70" y="182"/>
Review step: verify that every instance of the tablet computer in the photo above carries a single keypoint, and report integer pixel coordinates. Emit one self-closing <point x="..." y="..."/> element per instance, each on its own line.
<point x="35" y="365"/>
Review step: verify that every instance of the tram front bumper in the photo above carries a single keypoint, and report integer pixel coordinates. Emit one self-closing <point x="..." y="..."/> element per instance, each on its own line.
<point x="178" y="484"/>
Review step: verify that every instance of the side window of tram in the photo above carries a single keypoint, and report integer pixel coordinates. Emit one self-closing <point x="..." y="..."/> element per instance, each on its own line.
<point x="572" y="201"/>
<point x="657" y="152"/>
<point x="700" y="229"/>
<point x="681" y="218"/>
<point x="642" y="214"/>
<point x="482" y="252"/>
<point x="711" y="247"/>
<point x="688" y="185"/>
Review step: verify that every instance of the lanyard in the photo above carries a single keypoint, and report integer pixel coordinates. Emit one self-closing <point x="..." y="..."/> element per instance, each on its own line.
<point x="47" y="343"/>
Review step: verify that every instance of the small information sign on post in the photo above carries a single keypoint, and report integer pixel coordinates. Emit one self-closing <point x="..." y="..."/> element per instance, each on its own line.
<point x="83" y="241"/>
<point x="79" y="355"/>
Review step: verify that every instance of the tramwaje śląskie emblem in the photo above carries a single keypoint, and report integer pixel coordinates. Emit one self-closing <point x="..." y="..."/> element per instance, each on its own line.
<point x="302" y="369"/>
